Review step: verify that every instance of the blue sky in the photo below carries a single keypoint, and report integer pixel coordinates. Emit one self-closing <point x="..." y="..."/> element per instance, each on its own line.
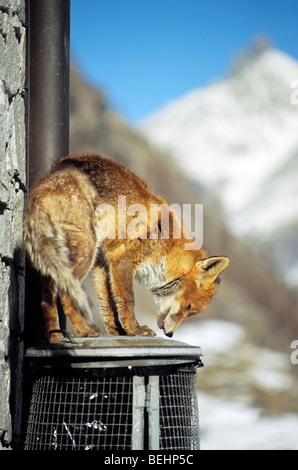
<point x="144" y="53"/>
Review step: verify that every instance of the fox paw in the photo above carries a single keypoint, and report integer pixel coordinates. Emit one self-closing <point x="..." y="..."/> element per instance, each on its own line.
<point x="147" y="331"/>
<point x="52" y="337"/>
<point x="90" y="331"/>
<point x="141" y="331"/>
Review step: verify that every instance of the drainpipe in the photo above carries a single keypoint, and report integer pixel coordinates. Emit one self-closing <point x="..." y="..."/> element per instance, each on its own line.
<point x="49" y="31"/>
<point x="48" y="117"/>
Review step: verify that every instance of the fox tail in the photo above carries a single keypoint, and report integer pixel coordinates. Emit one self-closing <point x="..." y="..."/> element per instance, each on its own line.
<point x="47" y="251"/>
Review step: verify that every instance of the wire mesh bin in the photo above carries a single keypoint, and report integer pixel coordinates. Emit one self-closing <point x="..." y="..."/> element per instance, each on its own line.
<point x="119" y="393"/>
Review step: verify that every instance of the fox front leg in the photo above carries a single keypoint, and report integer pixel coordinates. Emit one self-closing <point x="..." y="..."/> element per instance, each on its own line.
<point x="122" y="280"/>
<point x="107" y="304"/>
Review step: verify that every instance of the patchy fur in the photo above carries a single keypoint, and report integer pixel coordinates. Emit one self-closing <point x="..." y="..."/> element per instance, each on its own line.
<point x="63" y="242"/>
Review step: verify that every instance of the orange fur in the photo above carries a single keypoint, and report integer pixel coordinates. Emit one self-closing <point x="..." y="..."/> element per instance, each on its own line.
<point x="68" y="233"/>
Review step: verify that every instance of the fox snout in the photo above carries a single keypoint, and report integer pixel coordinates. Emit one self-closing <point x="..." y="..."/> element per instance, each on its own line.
<point x="169" y="333"/>
<point x="163" y="327"/>
<point x="171" y="323"/>
<point x="171" y="319"/>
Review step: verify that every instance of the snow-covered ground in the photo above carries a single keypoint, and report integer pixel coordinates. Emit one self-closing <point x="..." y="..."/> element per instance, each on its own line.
<point x="225" y="425"/>
<point x="233" y="424"/>
<point x="214" y="336"/>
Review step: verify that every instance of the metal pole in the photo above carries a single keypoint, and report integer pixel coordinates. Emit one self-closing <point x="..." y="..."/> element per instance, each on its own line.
<point x="138" y="407"/>
<point x="49" y="31"/>
<point x="48" y="117"/>
<point x="153" y="412"/>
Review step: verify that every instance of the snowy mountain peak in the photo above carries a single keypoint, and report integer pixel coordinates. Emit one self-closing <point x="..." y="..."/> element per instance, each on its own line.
<point x="239" y="138"/>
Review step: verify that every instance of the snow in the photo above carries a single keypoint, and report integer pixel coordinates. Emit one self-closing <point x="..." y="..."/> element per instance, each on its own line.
<point x="234" y="137"/>
<point x="232" y="422"/>
<point x="235" y="425"/>
<point x="269" y="370"/>
<point x="226" y="425"/>
<point x="216" y="336"/>
<point x="239" y="138"/>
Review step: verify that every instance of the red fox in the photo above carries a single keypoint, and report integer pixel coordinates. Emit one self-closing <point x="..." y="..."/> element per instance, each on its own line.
<point x="75" y="224"/>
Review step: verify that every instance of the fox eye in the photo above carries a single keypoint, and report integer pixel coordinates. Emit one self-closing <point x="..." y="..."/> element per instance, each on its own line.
<point x="188" y="307"/>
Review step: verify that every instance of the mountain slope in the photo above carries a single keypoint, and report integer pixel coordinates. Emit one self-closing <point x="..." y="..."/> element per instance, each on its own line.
<point x="239" y="138"/>
<point x="251" y="294"/>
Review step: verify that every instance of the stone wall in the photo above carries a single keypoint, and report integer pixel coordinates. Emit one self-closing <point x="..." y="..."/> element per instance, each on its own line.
<point x="12" y="192"/>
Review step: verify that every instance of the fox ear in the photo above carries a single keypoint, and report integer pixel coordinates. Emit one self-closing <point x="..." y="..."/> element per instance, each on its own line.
<point x="213" y="266"/>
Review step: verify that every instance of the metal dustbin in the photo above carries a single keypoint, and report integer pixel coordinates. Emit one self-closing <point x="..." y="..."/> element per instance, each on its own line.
<point x="112" y="393"/>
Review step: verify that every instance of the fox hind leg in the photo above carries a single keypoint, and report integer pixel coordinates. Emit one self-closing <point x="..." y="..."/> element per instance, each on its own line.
<point x="49" y="308"/>
<point x="79" y="323"/>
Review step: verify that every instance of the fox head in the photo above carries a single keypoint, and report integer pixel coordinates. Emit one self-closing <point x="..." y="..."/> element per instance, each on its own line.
<point x="189" y="294"/>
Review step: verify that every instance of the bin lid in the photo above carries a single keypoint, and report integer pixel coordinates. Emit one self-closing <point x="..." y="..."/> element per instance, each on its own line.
<point x="114" y="351"/>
